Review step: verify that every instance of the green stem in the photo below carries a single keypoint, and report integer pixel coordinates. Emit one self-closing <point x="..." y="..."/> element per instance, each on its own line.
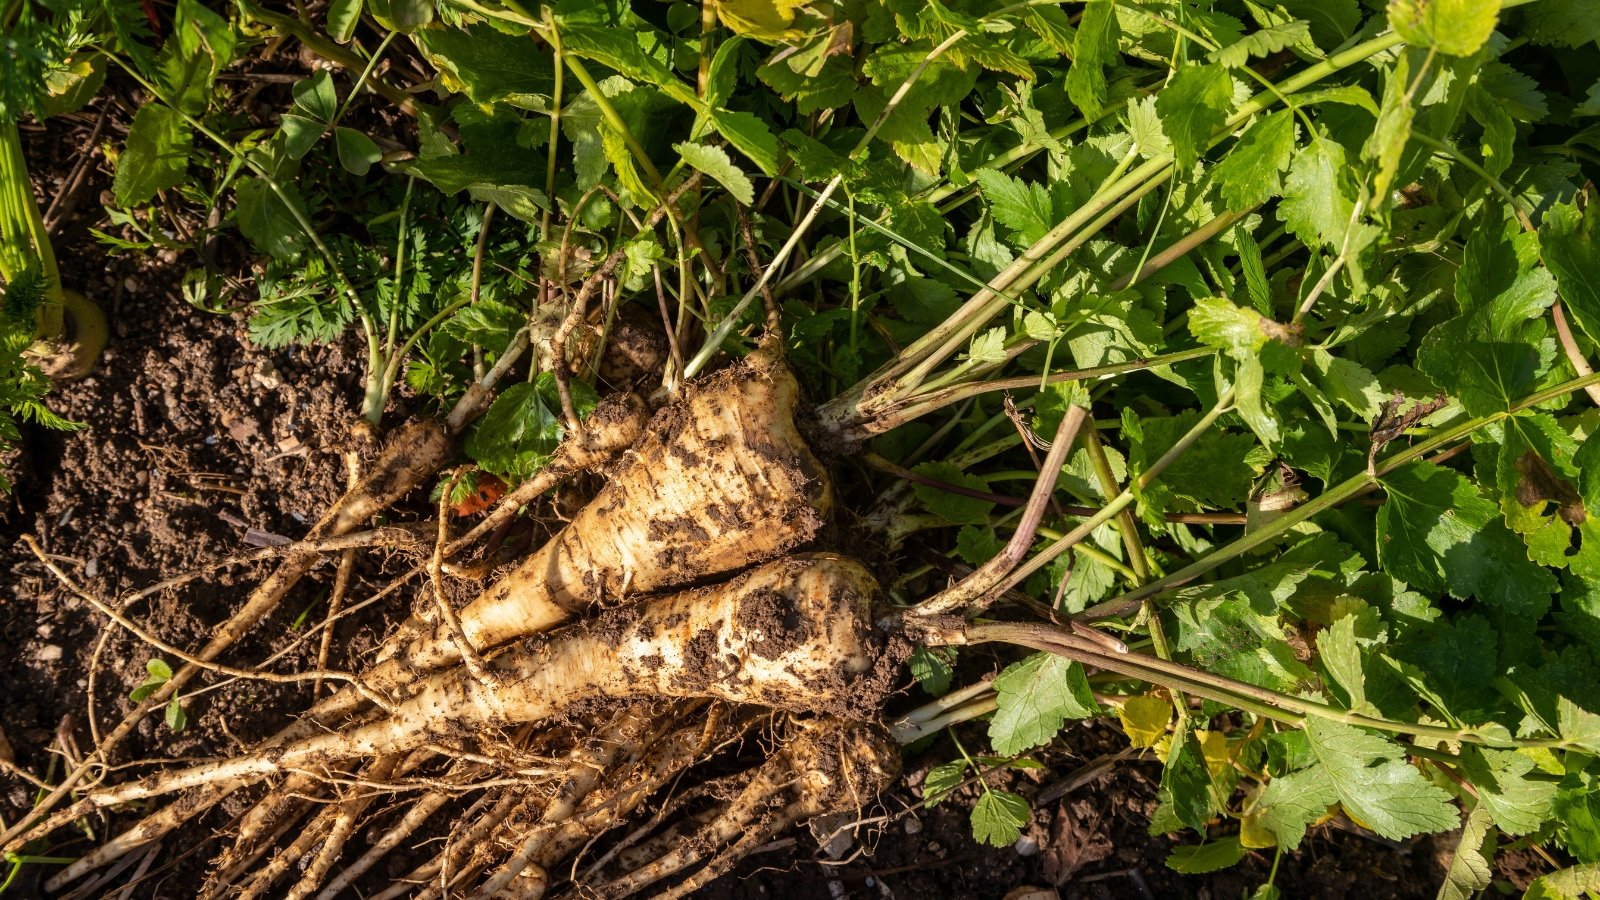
<point x="1270" y="704"/>
<point x="23" y="237"/>
<point x="1350" y="487"/>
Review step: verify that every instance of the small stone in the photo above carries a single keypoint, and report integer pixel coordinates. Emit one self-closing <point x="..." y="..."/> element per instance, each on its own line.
<point x="44" y="630"/>
<point x="130" y="284"/>
<point x="1026" y="846"/>
<point x="1029" y="892"/>
<point x="49" y="653"/>
<point x="913" y="825"/>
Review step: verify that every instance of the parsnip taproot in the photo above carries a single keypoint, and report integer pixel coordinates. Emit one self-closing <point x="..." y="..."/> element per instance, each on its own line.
<point x="832" y="766"/>
<point x="794" y="634"/>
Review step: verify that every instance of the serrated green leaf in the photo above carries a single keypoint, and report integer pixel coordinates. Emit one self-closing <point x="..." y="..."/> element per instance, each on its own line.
<point x="1518" y="803"/>
<point x="1376" y="785"/>
<point x="931" y="666"/>
<point x="957" y="508"/>
<point x="1538" y="474"/>
<point x="1212" y="856"/>
<point x="988" y="346"/>
<point x="1291" y="802"/>
<point x="1193" y="106"/>
<point x="1185" y="791"/>
<point x="1437" y="532"/>
<point x="1264" y="42"/>
<point x="1578" y="726"/>
<point x="714" y="161"/>
<point x="1339" y="651"/>
<point x="1252" y="172"/>
<point x="1470" y="870"/>
<point x="155" y="156"/>
<point x="1035" y="697"/>
<point x="488" y="65"/>
<point x="1456" y="27"/>
<point x="750" y="136"/>
<point x="265" y="218"/>
<point x="1095" y="48"/>
<point x="999" y="817"/>
<point x="941" y="780"/>
<point x="1569" y="239"/>
<point x="1024" y="208"/>
<point x="1575" y="883"/>
<point x="620" y="49"/>
<point x="1320" y="198"/>
<point x="1387" y="143"/>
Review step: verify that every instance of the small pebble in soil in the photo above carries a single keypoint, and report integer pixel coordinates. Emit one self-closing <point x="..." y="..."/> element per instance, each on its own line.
<point x="913" y="825"/>
<point x="49" y="653"/>
<point x="1026" y="846"/>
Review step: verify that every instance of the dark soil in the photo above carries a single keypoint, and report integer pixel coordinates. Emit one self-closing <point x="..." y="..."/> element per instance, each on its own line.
<point x="196" y="441"/>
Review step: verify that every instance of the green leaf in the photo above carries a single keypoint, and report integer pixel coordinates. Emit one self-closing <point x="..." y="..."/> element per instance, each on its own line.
<point x="357" y="152"/>
<point x="1456" y="27"/>
<point x="155" y="157"/>
<point x="1436" y="532"/>
<point x="516" y="436"/>
<point x="1035" y="696"/>
<point x="1212" y="856"/>
<point x="1376" y="785"/>
<point x="1234" y="636"/>
<point x="1387" y="143"/>
<point x="1095" y="48"/>
<point x="175" y="717"/>
<point x="1264" y="42"/>
<point x="404" y="16"/>
<point x="931" y="666"/>
<point x="999" y="817"/>
<point x="488" y="65"/>
<point x="1193" y="106"/>
<point x="1578" y="726"/>
<point x="941" y="780"/>
<point x="1470" y="870"/>
<point x="1518" y="804"/>
<point x="1320" y="197"/>
<point x="300" y="134"/>
<point x="619" y="48"/>
<point x="316" y="96"/>
<point x="988" y="347"/>
<point x="1292" y="802"/>
<point x="714" y="161"/>
<point x="1241" y="333"/>
<point x="1251" y="173"/>
<point x="957" y="508"/>
<point x="1024" y="208"/>
<point x="750" y="136"/>
<point x="1570" y="241"/>
<point x="1339" y="651"/>
<point x="1576" y="883"/>
<point x="343" y="17"/>
<point x="266" y="220"/>
<point x="1185" y="791"/>
<point x="1538" y="474"/>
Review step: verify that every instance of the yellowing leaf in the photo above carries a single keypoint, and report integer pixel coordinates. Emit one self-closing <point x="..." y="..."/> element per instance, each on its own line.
<point x="1214" y="747"/>
<point x="758" y="18"/>
<point x="1254" y="836"/>
<point x="1145" y="719"/>
<point x="1456" y="27"/>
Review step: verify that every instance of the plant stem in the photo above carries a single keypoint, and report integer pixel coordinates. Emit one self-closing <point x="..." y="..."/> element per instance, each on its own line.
<point x="23" y="237"/>
<point x="1270" y="704"/>
<point x="1350" y="487"/>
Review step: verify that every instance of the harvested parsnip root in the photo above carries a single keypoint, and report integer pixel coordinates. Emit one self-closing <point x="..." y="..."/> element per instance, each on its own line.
<point x="832" y="766"/>
<point x="794" y="634"/>
<point x="721" y="480"/>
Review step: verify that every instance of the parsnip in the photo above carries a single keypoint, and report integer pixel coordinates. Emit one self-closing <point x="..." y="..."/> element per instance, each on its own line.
<point x="835" y="765"/>
<point x="794" y="634"/>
